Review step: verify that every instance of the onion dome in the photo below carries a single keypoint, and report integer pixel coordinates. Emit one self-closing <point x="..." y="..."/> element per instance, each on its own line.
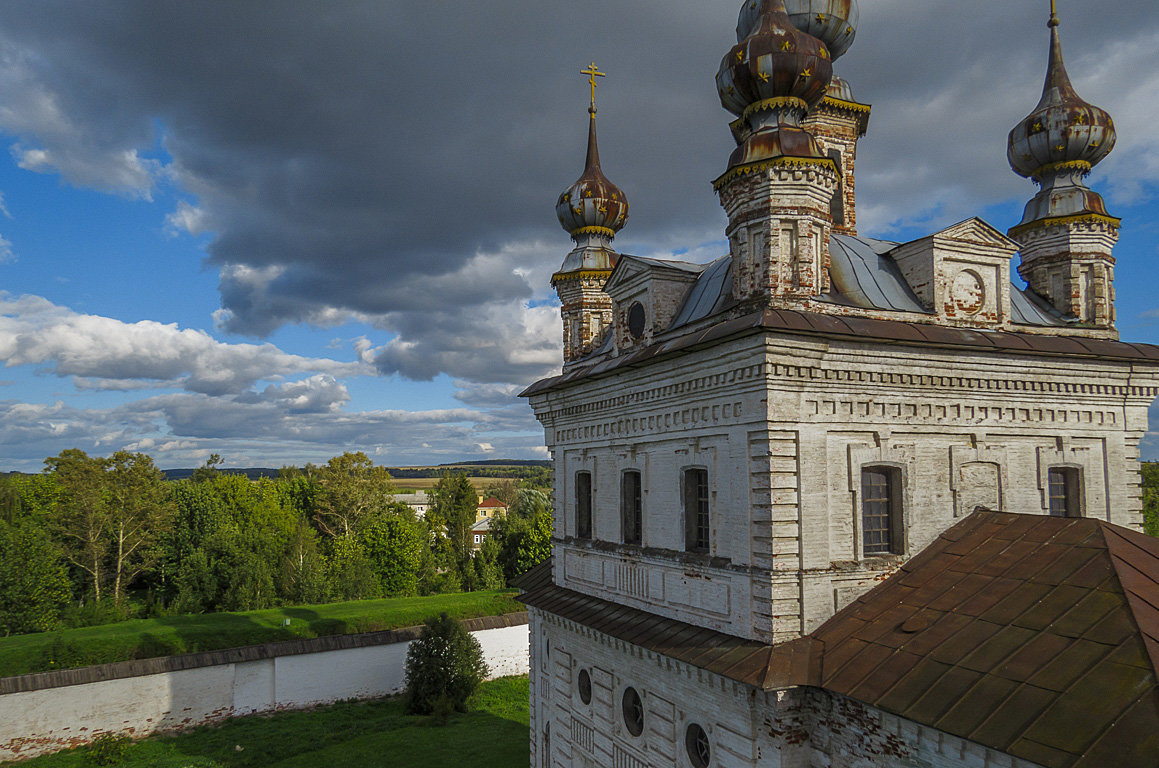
<point x="775" y="61"/>
<point x="839" y="89"/>
<point x="593" y="205"/>
<point x="833" y="22"/>
<point x="1063" y="133"/>
<point x="770" y="79"/>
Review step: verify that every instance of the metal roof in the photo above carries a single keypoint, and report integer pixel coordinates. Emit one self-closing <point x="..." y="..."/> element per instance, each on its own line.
<point x="867" y="277"/>
<point x="708" y="295"/>
<point x="859" y="329"/>
<point x="1032" y="635"/>
<point x="746" y="661"/>
<point x="1037" y="636"/>
<point x="1028" y="309"/>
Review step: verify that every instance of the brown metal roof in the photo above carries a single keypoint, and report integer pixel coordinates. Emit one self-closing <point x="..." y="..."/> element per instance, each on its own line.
<point x="1033" y="635"/>
<point x="746" y="661"/>
<point x="863" y="329"/>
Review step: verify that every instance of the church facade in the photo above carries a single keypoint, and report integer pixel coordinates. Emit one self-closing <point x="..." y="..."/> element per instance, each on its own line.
<point x="750" y="453"/>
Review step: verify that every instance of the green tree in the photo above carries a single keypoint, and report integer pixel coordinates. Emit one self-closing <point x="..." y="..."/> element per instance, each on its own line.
<point x="352" y="572"/>
<point x="208" y="471"/>
<point x="1150" y="472"/>
<point x="524" y="534"/>
<point x="304" y="578"/>
<point x="452" y="514"/>
<point x="34" y="586"/>
<point x="82" y="518"/>
<point x="139" y="510"/>
<point x="394" y="545"/>
<point x="350" y="488"/>
<point x="444" y="666"/>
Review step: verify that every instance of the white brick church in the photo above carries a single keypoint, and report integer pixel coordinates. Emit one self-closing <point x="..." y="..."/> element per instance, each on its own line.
<point x="836" y="502"/>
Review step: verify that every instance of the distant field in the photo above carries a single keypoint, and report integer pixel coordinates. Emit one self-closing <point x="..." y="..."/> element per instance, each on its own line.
<point x="426" y="483"/>
<point x="171" y="635"/>
<point x="492" y="734"/>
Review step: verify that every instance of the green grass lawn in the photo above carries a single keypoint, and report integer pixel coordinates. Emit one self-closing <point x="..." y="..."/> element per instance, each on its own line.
<point x="492" y="734"/>
<point x="148" y="638"/>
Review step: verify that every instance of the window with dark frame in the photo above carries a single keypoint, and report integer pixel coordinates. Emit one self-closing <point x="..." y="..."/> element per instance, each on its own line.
<point x="632" y="507"/>
<point x="880" y="511"/>
<point x="583" y="505"/>
<point x="1063" y="491"/>
<point x="697" y="745"/>
<point x="585" y="686"/>
<point x="633" y="711"/>
<point x="696" y="513"/>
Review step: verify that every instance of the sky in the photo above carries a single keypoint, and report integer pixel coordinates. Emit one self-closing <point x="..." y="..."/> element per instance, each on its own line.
<point x="278" y="231"/>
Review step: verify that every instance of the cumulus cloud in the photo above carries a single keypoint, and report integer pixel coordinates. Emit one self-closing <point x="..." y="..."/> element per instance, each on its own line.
<point x="106" y="353"/>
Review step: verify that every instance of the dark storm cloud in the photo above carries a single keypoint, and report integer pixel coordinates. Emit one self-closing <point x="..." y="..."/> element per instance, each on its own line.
<point x="378" y="159"/>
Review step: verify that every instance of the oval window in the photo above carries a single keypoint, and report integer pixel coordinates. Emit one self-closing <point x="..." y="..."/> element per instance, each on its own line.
<point x="585" y="686"/>
<point x="696" y="742"/>
<point x="633" y="712"/>
<point x="636" y="320"/>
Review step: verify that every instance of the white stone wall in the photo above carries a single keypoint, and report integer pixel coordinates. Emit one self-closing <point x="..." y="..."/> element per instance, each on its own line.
<point x="41" y="721"/>
<point x="794" y="728"/>
<point x="784" y="425"/>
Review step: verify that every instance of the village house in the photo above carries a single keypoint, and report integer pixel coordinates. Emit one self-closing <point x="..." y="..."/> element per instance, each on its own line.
<point x="831" y="501"/>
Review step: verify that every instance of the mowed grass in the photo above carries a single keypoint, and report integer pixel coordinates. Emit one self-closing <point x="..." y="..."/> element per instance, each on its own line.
<point x="167" y="636"/>
<point x="492" y="734"/>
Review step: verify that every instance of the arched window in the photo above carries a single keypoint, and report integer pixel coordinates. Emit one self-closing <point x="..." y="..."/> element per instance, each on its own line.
<point x="696" y="512"/>
<point x="583" y="505"/>
<point x="881" y="511"/>
<point x="632" y="507"/>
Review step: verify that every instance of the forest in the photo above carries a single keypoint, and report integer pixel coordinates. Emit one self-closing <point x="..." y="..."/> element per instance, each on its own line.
<point x="93" y="540"/>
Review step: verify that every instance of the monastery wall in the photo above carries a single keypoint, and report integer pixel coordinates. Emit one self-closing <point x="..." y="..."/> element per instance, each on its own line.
<point x="795" y="728"/>
<point x="43" y="717"/>
<point x="784" y="425"/>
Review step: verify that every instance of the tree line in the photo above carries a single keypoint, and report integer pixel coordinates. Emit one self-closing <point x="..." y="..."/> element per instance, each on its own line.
<point x="97" y="539"/>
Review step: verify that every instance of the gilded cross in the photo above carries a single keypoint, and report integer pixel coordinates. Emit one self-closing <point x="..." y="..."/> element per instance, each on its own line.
<point x="592" y="72"/>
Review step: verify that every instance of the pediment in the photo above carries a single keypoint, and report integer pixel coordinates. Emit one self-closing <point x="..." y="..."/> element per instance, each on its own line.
<point x="976" y="231"/>
<point x="633" y="269"/>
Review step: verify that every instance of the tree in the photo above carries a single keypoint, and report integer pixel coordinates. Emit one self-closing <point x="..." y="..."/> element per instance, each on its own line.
<point x="454" y="508"/>
<point x="350" y="489"/>
<point x="82" y="519"/>
<point x="208" y="471"/>
<point x="394" y="545"/>
<point x="303" y="578"/>
<point x="351" y="571"/>
<point x="139" y="510"/>
<point x="506" y="490"/>
<point x="443" y="666"/>
<point x="34" y="584"/>
<point x="524" y="534"/>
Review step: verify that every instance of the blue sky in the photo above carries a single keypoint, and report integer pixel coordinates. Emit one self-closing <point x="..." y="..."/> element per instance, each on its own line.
<point x="281" y="236"/>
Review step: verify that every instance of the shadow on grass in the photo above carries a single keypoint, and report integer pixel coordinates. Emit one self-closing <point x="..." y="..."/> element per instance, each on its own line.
<point x="493" y="733"/>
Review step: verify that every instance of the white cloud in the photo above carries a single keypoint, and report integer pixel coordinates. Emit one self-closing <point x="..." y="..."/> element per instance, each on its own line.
<point x="103" y="351"/>
<point x="187" y="218"/>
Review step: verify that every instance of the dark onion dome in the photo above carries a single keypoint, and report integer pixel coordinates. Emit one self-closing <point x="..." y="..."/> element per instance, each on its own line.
<point x="774" y="62"/>
<point x="833" y="22"/>
<point x="593" y="205"/>
<point x="1064" y="134"/>
<point x="771" y="79"/>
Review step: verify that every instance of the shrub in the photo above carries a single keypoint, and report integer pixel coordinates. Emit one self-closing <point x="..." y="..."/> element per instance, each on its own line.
<point x="444" y="662"/>
<point x="108" y="749"/>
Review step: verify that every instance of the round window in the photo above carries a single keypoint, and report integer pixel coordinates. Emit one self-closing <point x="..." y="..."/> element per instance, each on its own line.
<point x="696" y="742"/>
<point x="633" y="712"/>
<point x="636" y="320"/>
<point x="585" y="686"/>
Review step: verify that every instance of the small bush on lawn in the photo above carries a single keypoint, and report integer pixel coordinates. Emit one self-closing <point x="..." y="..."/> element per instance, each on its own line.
<point x="443" y="668"/>
<point x="108" y="749"/>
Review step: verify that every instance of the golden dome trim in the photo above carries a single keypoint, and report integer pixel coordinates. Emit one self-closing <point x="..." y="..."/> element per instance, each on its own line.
<point x="776" y="162"/>
<point x="1058" y="221"/>
<point x="849" y="106"/>
<point x="579" y="274"/>
<point x="605" y="231"/>
<point x="766" y="105"/>
<point x="1081" y="166"/>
